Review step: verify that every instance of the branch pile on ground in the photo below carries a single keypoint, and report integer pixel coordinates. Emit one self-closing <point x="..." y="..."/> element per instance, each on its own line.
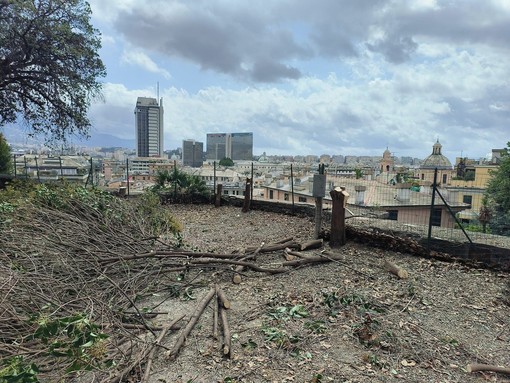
<point x="50" y="268"/>
<point x="76" y="264"/>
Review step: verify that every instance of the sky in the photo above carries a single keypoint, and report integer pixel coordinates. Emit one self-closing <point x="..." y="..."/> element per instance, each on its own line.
<point x="312" y="76"/>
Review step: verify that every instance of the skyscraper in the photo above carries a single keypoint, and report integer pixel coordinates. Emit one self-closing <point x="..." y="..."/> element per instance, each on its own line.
<point x="236" y="146"/>
<point x="192" y="153"/>
<point x="149" y="127"/>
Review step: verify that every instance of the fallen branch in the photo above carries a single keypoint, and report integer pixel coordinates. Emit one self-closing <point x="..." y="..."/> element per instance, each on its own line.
<point x="153" y="350"/>
<point x="313" y="244"/>
<point x="222" y="298"/>
<point x="146" y="353"/>
<point x="192" y="322"/>
<point x="226" y="332"/>
<point x="474" y="367"/>
<point x="215" y="316"/>
<point x="237" y="277"/>
<point x="396" y="270"/>
<point x="294" y="253"/>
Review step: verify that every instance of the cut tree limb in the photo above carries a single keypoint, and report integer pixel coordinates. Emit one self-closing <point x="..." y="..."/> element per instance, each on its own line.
<point x="237" y="277"/>
<point x="222" y="298"/>
<point x="396" y="270"/>
<point x="313" y="244"/>
<point x="192" y="322"/>
<point x="294" y="253"/>
<point x="226" y="332"/>
<point x="215" y="317"/>
<point x="474" y="367"/>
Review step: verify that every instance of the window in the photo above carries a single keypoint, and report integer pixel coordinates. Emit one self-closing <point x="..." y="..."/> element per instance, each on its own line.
<point x="225" y="192"/>
<point x="444" y="178"/>
<point x="467" y="199"/>
<point x="436" y="217"/>
<point x="270" y="194"/>
<point x="393" y="215"/>
<point x="422" y="176"/>
<point x="286" y="196"/>
<point x="302" y="199"/>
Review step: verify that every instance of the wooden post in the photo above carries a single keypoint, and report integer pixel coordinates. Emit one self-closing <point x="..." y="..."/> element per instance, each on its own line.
<point x="219" y="190"/>
<point x="318" y="216"/>
<point x="247" y="196"/>
<point x="339" y="198"/>
<point x="319" y="191"/>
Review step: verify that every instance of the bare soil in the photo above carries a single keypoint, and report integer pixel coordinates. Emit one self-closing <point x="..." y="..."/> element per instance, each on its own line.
<point x="343" y="321"/>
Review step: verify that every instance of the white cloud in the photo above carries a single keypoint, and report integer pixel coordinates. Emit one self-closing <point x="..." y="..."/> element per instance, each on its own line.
<point x="139" y="58"/>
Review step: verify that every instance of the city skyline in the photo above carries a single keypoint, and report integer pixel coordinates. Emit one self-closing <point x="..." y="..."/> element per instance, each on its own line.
<point x="312" y="77"/>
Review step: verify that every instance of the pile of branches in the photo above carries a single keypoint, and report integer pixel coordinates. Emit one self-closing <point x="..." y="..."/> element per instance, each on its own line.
<point x="61" y="309"/>
<point x="74" y="267"/>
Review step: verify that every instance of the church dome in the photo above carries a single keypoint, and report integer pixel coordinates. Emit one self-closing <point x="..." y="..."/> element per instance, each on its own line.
<point x="436" y="159"/>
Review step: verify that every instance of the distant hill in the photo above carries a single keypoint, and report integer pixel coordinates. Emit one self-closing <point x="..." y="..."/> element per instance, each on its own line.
<point x="107" y="140"/>
<point x="17" y="135"/>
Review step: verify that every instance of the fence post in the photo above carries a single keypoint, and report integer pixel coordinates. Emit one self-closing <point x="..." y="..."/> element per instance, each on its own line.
<point x="339" y="198"/>
<point x="319" y="191"/>
<point x="14" y="164"/>
<point x="247" y="192"/>
<point x="37" y="169"/>
<point x="214" y="175"/>
<point x="217" y="201"/>
<point x="434" y="186"/>
<point x="127" y="175"/>
<point x="251" y="190"/>
<point x="292" y="185"/>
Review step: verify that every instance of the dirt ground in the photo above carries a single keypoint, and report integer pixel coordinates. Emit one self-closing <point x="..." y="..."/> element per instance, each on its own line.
<point x="345" y="321"/>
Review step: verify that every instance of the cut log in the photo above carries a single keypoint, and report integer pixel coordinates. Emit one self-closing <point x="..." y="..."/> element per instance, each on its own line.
<point x="226" y="333"/>
<point x="236" y="279"/>
<point x="313" y="244"/>
<point x="394" y="269"/>
<point x="275" y="247"/>
<point x="222" y="298"/>
<point x="192" y="322"/>
<point x="474" y="367"/>
<point x="294" y="253"/>
<point x="215" y="317"/>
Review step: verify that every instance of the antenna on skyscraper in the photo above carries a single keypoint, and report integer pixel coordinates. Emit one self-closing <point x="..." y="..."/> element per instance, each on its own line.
<point x="158" y="89"/>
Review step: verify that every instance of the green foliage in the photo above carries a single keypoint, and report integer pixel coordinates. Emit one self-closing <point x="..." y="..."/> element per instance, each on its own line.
<point x="160" y="219"/>
<point x="16" y="370"/>
<point x="180" y="183"/>
<point x="498" y="195"/>
<point x="226" y="162"/>
<point x="50" y="65"/>
<point x="5" y="156"/>
<point x="284" y="313"/>
<point x="75" y="339"/>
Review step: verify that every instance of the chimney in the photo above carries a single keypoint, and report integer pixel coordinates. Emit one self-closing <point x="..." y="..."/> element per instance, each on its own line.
<point x="360" y="194"/>
<point x="403" y="192"/>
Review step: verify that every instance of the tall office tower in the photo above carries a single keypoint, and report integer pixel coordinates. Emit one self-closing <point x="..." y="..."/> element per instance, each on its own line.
<point x="192" y="153"/>
<point x="242" y="146"/>
<point x="236" y="146"/>
<point x="149" y="127"/>
<point x="216" y="146"/>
